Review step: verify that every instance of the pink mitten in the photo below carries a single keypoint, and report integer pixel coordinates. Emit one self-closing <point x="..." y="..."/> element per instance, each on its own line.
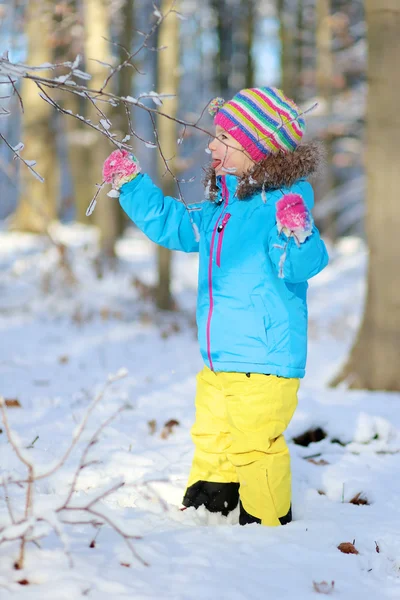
<point x="119" y="168"/>
<point x="293" y="216"/>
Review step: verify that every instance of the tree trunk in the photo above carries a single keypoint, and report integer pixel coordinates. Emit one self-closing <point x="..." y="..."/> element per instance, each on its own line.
<point x="241" y="61"/>
<point x="324" y="73"/>
<point x="287" y="34"/>
<point x="167" y="83"/>
<point x="249" y="81"/>
<point x="374" y="360"/>
<point x="125" y="81"/>
<point x="324" y="81"/>
<point x="81" y="141"/>
<point x="97" y="31"/>
<point x="300" y="26"/>
<point x="37" y="205"/>
<point x="224" y="19"/>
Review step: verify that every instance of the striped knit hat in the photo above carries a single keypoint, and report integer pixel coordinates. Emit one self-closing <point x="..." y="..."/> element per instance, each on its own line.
<point x="262" y="120"/>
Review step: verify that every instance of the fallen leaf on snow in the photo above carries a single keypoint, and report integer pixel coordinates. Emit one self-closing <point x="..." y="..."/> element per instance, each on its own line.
<point x="13" y="403"/>
<point x="320" y="462"/>
<point x="348" y="548"/>
<point x="152" y="426"/>
<point x="168" y="428"/>
<point x="359" y="499"/>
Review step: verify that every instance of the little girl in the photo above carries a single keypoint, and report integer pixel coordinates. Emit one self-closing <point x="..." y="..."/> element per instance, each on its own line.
<point x="257" y="246"/>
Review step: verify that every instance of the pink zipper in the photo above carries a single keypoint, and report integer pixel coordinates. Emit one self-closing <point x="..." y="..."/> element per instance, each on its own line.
<point x="225" y="195"/>
<point x="221" y="231"/>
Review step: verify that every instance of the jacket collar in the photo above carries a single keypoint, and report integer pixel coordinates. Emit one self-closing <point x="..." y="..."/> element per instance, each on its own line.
<point x="275" y="171"/>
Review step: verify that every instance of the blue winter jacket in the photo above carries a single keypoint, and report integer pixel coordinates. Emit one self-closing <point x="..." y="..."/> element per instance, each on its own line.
<point x="252" y="305"/>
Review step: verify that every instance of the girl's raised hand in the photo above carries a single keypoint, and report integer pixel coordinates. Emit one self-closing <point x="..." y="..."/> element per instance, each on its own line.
<point x="293" y="217"/>
<point x="119" y="168"/>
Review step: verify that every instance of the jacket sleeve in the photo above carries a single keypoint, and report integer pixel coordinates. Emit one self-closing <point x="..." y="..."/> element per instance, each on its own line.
<point x="294" y="262"/>
<point x="164" y="220"/>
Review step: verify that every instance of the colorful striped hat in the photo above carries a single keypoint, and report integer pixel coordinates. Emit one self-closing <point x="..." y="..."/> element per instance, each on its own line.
<point x="263" y="120"/>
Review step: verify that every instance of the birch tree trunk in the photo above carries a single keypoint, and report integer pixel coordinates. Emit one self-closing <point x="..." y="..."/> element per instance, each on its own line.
<point x="97" y="32"/>
<point x="374" y="360"/>
<point x="167" y="83"/>
<point x="37" y="205"/>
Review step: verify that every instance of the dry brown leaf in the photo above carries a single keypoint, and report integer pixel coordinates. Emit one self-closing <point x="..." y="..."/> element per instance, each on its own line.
<point x="64" y="359"/>
<point x="168" y="428"/>
<point x="123" y="564"/>
<point x="13" y="403"/>
<point x="348" y="548"/>
<point x="320" y="462"/>
<point x="323" y="587"/>
<point x="23" y="582"/>
<point x="152" y="426"/>
<point x="377" y="547"/>
<point x="359" y="499"/>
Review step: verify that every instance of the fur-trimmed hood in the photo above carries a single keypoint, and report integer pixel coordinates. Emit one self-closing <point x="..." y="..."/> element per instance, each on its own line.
<point x="273" y="172"/>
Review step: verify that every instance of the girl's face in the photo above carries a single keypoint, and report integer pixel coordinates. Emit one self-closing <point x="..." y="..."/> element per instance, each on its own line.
<point x="228" y="156"/>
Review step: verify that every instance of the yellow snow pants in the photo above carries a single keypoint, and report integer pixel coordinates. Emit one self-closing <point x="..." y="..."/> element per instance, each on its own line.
<point x="238" y="437"/>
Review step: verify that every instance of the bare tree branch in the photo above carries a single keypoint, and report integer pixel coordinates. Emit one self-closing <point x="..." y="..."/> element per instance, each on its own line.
<point x="26" y="529"/>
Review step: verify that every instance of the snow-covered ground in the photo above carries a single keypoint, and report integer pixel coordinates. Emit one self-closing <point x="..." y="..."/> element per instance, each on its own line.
<point x="59" y="343"/>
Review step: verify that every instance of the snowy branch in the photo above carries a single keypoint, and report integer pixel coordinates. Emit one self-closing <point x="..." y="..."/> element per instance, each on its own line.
<point x="34" y="525"/>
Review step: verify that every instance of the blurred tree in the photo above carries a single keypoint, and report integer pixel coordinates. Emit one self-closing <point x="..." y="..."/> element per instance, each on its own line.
<point x="37" y="205"/>
<point x="125" y="35"/>
<point x="250" y="12"/>
<point x="223" y="15"/>
<point x="288" y="34"/>
<point x="79" y="138"/>
<point x="324" y="73"/>
<point x="241" y="64"/>
<point x="167" y="83"/>
<point x="374" y="359"/>
<point x="97" y="51"/>
<point x="325" y="83"/>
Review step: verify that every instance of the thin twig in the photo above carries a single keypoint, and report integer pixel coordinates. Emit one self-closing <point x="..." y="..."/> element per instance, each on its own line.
<point x="17" y="93"/>
<point x="16" y="155"/>
<point x="7" y="499"/>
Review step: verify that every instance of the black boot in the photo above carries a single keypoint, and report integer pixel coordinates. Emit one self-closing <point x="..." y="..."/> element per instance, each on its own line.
<point x="216" y="497"/>
<point x="245" y="518"/>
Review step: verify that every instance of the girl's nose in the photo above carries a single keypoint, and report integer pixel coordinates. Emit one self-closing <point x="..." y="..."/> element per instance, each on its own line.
<point x="211" y="144"/>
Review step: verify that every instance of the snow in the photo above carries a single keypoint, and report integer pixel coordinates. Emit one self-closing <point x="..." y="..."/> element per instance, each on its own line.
<point x="105" y="123"/>
<point x="63" y="338"/>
